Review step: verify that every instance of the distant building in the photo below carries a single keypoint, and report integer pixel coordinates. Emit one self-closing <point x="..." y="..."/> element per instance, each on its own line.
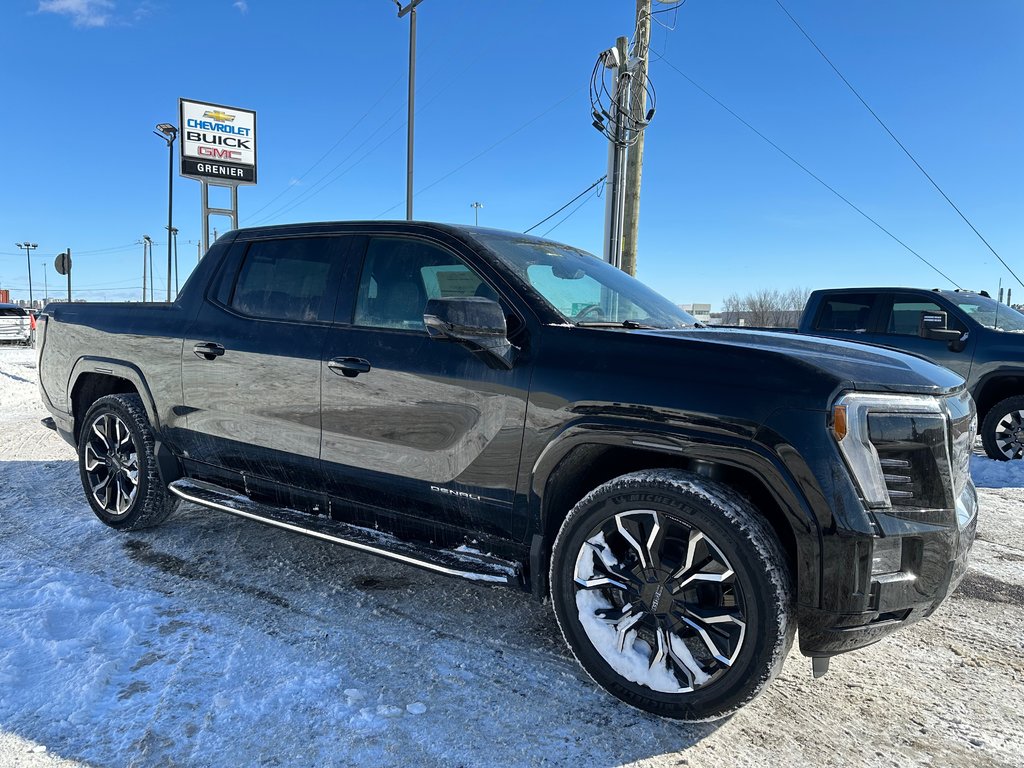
<point x="781" y="318"/>
<point x="700" y="311"/>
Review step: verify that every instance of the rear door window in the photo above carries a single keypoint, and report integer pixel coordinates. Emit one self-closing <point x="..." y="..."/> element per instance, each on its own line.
<point x="846" y="312"/>
<point x="287" y="279"/>
<point x="12" y="312"/>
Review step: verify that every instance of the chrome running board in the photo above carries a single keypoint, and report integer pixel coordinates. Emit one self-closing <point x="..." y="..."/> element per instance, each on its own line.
<point x="466" y="565"/>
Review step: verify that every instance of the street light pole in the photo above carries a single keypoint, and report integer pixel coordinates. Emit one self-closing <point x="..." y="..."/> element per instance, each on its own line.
<point x="147" y="244"/>
<point x="169" y="133"/>
<point x="29" y="247"/>
<point x="46" y="284"/>
<point x="476" y="212"/>
<point x="411" y="10"/>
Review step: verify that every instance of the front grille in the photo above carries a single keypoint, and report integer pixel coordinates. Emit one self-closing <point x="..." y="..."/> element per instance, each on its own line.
<point x="912" y="453"/>
<point x="898" y="482"/>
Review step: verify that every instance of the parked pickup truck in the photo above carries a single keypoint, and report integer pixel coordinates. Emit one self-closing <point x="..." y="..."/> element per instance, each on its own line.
<point x="969" y="333"/>
<point x="511" y="410"/>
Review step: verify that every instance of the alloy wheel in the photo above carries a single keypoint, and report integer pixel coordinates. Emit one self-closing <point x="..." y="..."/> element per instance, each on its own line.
<point x="112" y="464"/>
<point x="659" y="601"/>
<point x="1010" y="435"/>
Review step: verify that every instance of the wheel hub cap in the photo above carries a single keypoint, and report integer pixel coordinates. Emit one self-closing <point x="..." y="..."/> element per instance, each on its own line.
<point x="654" y="591"/>
<point x="111" y="463"/>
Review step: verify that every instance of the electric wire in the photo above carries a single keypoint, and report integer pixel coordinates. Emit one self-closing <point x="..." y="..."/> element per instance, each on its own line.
<point x="551" y="216"/>
<point x="480" y="154"/>
<point x="570" y="213"/>
<point x="325" y="181"/>
<point x="334" y="146"/>
<point x="898" y="142"/>
<point x="805" y="169"/>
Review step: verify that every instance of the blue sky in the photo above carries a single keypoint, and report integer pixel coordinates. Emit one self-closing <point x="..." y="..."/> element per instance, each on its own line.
<point x="503" y="118"/>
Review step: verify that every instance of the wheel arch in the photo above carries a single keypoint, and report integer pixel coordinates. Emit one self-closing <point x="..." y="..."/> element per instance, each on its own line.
<point x="996" y="387"/>
<point x="585" y="457"/>
<point x="93" y="377"/>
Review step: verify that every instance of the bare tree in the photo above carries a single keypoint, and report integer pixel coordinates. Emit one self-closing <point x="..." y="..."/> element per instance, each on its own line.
<point x="765" y="307"/>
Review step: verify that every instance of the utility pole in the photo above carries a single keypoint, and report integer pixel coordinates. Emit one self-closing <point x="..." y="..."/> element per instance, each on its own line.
<point x="635" y="159"/>
<point x="402" y="11"/>
<point x="174" y="235"/>
<point x="476" y="212"/>
<point x="29" y="247"/>
<point x="146" y="242"/>
<point x="613" y="211"/>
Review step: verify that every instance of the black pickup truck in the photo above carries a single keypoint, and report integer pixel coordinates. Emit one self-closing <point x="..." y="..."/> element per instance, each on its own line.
<point x="969" y="333"/>
<point x="511" y="410"/>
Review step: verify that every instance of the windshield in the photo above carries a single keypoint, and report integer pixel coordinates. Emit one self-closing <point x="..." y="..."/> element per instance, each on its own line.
<point x="991" y="314"/>
<point x="582" y="288"/>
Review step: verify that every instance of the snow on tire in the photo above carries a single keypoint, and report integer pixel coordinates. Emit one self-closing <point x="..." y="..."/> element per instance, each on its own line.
<point x="118" y="466"/>
<point x="673" y="593"/>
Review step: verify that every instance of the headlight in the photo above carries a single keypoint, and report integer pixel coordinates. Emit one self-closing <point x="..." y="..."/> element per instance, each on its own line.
<point x="908" y="454"/>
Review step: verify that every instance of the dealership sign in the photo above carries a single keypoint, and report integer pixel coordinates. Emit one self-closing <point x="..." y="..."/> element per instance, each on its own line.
<point x="218" y="143"/>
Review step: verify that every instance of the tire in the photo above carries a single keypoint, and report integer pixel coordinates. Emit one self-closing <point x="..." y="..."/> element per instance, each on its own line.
<point x="673" y="593"/>
<point x="118" y="466"/>
<point x="1002" y="432"/>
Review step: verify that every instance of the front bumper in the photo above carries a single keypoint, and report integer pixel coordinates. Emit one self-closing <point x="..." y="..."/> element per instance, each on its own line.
<point x="934" y="562"/>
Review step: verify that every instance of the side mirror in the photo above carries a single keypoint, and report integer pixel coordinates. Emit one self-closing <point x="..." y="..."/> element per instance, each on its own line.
<point x="477" y="322"/>
<point x="932" y="325"/>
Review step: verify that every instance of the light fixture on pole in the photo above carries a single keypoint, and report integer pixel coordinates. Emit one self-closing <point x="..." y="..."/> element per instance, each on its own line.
<point x="169" y="133"/>
<point x="402" y="11"/>
<point x="476" y="212"/>
<point x="29" y="247"/>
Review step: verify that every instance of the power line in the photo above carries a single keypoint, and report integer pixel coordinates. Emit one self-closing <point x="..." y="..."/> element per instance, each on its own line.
<point x="325" y="181"/>
<point x="551" y="216"/>
<point x="334" y="146"/>
<point x="898" y="142"/>
<point x="477" y="156"/>
<point x="804" y="168"/>
<point x="570" y="213"/>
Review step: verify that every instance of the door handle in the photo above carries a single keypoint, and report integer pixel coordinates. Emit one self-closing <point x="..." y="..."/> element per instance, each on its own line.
<point x="349" y="366"/>
<point x="208" y="350"/>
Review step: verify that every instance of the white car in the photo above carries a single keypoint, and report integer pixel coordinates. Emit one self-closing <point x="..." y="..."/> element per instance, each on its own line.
<point x="15" y="324"/>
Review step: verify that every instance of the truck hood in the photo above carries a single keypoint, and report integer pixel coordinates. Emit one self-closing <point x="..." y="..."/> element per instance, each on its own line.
<point x="852" y="365"/>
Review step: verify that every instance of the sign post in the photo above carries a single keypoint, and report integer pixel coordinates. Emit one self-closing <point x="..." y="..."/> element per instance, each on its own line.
<point x="63" y="266"/>
<point x="218" y="148"/>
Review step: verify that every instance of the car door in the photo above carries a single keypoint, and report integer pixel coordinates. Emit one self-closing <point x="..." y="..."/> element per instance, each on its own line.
<point x="251" y="362"/>
<point x="415" y="427"/>
<point x="899" y="318"/>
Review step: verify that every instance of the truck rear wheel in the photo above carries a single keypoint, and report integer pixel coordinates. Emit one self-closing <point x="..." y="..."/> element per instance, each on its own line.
<point x="118" y="466"/>
<point x="673" y="593"/>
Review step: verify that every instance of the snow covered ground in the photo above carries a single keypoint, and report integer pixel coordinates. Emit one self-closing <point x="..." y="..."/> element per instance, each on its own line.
<point x="213" y="641"/>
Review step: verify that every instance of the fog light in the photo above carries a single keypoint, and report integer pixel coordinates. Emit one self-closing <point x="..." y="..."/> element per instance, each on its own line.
<point x="887" y="555"/>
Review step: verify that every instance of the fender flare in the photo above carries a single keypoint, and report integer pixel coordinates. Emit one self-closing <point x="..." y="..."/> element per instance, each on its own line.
<point x="737" y="452"/>
<point x="119" y="369"/>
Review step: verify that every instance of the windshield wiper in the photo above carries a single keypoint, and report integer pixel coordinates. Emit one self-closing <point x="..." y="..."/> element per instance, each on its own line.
<point x="631" y="324"/>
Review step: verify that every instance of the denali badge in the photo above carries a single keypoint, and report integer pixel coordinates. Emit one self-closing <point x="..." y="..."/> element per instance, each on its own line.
<point x="462" y="494"/>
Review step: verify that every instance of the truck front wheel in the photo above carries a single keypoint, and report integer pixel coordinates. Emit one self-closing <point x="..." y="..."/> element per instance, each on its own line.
<point x="673" y="593"/>
<point x="118" y="466"/>
<point x="1002" y="432"/>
